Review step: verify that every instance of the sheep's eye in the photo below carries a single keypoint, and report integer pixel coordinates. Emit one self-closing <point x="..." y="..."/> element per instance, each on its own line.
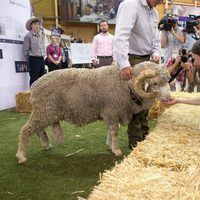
<point x="155" y="84"/>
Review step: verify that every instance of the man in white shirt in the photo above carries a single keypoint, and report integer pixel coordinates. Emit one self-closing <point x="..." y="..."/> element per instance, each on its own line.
<point x="136" y="40"/>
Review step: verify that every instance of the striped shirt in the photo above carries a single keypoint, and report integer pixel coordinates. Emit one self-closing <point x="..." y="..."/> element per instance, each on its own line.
<point x="136" y="31"/>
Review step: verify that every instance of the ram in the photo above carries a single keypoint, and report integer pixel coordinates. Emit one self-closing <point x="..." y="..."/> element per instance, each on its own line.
<point x="82" y="96"/>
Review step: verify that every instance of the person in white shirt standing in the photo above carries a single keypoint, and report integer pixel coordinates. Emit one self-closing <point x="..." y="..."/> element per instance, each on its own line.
<point x="102" y="46"/>
<point x="136" y="40"/>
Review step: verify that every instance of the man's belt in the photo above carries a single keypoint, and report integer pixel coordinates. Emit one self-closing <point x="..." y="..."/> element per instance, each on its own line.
<point x="104" y="57"/>
<point x="140" y="56"/>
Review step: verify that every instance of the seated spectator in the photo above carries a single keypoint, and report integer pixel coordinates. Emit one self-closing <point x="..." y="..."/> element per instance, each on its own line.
<point x="111" y="13"/>
<point x="54" y="54"/>
<point x="79" y="40"/>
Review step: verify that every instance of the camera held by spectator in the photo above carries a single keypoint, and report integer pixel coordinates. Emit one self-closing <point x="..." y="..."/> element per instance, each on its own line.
<point x="190" y="26"/>
<point x="184" y="55"/>
<point x="167" y="23"/>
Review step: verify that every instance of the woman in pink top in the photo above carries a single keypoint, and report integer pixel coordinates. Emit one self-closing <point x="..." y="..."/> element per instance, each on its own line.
<point x="54" y="54"/>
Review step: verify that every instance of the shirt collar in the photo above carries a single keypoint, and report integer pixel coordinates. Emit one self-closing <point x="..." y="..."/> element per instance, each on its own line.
<point x="105" y="33"/>
<point x="35" y="33"/>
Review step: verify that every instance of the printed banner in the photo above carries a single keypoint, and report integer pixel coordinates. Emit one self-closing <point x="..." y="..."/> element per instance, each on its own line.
<point x="13" y="16"/>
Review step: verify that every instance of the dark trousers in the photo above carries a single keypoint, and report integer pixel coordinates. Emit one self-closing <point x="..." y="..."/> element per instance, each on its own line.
<point x="52" y="66"/>
<point x="36" y="68"/>
<point x="64" y="65"/>
<point x="104" y="61"/>
<point x="138" y="127"/>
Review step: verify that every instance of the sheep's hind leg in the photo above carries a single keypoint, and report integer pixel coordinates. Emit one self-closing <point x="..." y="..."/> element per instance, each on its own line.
<point x="58" y="133"/>
<point x="44" y="140"/>
<point x="112" y="139"/>
<point x="26" y="132"/>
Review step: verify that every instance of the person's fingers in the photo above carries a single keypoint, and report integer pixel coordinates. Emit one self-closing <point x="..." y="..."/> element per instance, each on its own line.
<point x="126" y="75"/>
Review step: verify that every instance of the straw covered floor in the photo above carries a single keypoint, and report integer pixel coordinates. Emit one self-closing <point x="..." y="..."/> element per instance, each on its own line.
<point x="164" y="166"/>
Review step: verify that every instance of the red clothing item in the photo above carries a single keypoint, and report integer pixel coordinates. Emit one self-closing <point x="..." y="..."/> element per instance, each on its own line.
<point x="54" y="51"/>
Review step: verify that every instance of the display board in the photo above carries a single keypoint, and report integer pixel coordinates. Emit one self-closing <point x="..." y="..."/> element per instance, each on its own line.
<point x="13" y="70"/>
<point x="81" y="53"/>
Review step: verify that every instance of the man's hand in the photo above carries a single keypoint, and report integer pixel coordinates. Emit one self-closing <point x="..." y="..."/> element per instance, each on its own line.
<point x="196" y="30"/>
<point x="113" y="62"/>
<point x="56" y="62"/>
<point x="95" y="61"/>
<point x="126" y="73"/>
<point x="155" y="59"/>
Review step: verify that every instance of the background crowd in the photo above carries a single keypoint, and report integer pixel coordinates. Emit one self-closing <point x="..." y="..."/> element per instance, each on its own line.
<point x="176" y="43"/>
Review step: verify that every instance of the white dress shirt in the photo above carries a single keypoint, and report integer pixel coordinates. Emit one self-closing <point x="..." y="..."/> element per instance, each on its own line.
<point x="136" y="31"/>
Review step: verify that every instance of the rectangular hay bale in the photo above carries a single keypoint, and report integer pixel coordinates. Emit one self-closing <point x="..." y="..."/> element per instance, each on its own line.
<point x="23" y="102"/>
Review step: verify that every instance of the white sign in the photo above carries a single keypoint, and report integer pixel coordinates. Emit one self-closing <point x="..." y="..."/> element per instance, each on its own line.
<point x="81" y="53"/>
<point x="13" y="16"/>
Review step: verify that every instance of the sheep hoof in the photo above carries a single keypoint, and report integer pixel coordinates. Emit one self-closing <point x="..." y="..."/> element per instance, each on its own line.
<point x="21" y="159"/>
<point x="118" y="152"/>
<point x="47" y="147"/>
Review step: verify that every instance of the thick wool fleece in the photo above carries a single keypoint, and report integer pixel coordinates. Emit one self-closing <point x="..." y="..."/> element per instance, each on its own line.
<point x="82" y="96"/>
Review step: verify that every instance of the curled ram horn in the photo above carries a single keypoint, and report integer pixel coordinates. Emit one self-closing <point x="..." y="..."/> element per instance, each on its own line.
<point x="139" y="84"/>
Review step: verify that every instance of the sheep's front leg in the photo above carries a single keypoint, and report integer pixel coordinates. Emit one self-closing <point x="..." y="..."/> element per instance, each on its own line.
<point x="112" y="139"/>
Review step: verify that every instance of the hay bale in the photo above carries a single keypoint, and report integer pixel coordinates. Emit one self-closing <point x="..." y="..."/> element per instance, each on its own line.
<point x="165" y="166"/>
<point x="22" y="101"/>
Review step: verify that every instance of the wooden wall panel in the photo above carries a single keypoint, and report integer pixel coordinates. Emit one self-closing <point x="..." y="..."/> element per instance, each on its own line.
<point x="44" y="8"/>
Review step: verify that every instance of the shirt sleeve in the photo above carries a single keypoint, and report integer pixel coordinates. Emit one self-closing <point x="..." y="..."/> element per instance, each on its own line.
<point x="156" y="40"/>
<point x="126" y="17"/>
<point x="113" y="53"/>
<point x="25" y="47"/>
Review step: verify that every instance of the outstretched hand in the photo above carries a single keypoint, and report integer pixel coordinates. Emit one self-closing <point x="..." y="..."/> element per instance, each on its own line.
<point x="171" y="101"/>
